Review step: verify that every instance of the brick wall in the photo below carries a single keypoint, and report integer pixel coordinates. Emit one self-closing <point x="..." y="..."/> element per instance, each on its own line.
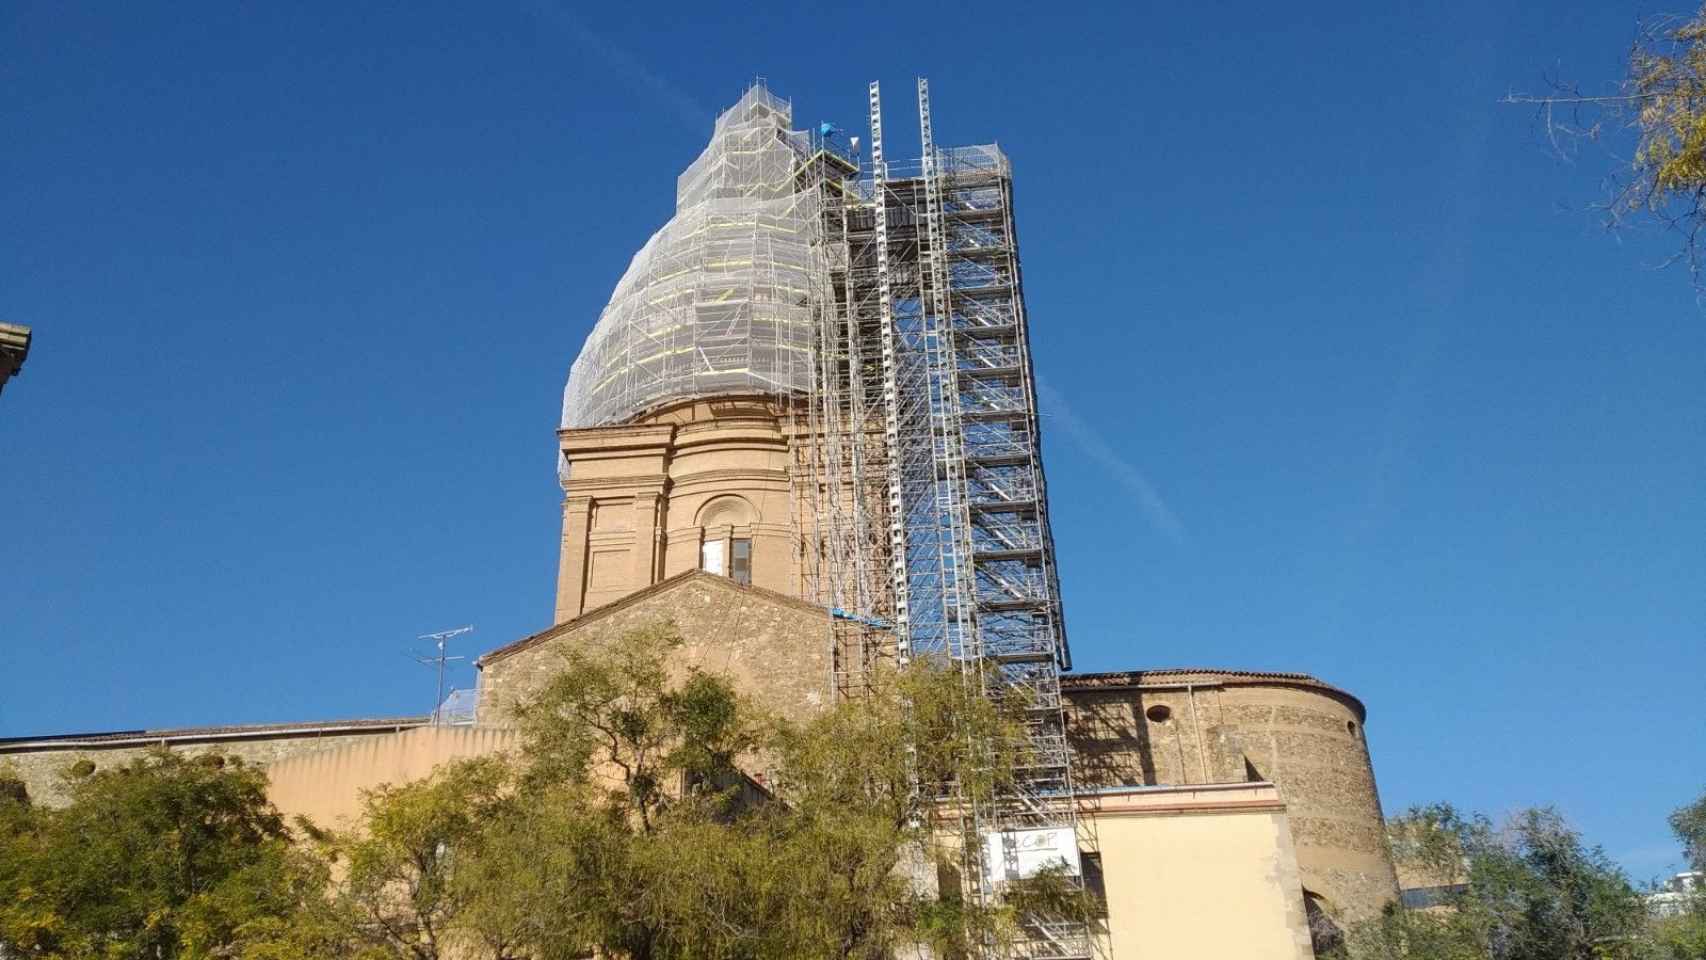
<point x="774" y="648"/>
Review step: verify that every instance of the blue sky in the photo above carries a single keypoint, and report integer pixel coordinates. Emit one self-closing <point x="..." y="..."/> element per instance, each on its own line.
<point x="1339" y="375"/>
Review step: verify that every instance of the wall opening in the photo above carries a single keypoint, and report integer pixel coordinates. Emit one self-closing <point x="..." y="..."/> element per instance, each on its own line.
<point x="1159" y="713"/>
<point x="1325" y="934"/>
<point x="740" y="562"/>
<point x="1095" y="882"/>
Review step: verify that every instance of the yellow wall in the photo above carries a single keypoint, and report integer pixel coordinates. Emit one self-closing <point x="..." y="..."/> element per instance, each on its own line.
<point x="1203" y="873"/>
<point x="326" y="786"/>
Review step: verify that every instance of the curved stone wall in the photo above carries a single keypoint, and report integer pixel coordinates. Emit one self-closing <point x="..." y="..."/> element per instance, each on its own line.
<point x="1209" y="726"/>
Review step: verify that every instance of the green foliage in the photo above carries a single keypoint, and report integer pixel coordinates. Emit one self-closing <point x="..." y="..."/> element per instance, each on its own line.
<point x="1546" y="895"/>
<point x="1667" y="79"/>
<point x="1399" y="934"/>
<point x="13" y="790"/>
<point x="612" y="717"/>
<point x="1679" y="938"/>
<point x="867" y="783"/>
<point x="401" y="876"/>
<point x="624" y="827"/>
<point x="1531" y="890"/>
<point x="1661" y="106"/>
<point x="161" y="858"/>
<point x="1688" y="822"/>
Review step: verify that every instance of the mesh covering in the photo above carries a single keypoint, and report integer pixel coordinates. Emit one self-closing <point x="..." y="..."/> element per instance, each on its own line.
<point x="717" y="300"/>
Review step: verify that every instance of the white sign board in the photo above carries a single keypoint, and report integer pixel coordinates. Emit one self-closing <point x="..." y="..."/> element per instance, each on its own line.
<point x="1016" y="854"/>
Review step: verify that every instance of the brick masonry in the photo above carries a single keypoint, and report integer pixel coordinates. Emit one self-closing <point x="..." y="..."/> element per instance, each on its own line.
<point x="1177" y="727"/>
<point x="773" y="647"/>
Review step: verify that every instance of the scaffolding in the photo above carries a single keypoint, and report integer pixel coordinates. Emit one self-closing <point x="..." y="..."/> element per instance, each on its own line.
<point x="923" y="433"/>
<point x="882" y="304"/>
<point x="717" y="301"/>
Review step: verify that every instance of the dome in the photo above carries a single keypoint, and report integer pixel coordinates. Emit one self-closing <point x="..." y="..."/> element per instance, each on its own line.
<point x="718" y="300"/>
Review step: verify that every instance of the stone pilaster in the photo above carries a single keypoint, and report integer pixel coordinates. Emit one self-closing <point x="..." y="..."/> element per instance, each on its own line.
<point x="571" y="574"/>
<point x="648" y="537"/>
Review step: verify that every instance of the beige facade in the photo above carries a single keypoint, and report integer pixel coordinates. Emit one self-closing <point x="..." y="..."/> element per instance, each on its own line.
<point x="686" y="486"/>
<point x="1204" y="871"/>
<point x="326" y="785"/>
<point x="43" y="762"/>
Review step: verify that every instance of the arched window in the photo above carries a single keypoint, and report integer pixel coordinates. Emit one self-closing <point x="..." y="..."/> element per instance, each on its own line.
<point x="721" y="552"/>
<point x="726" y="511"/>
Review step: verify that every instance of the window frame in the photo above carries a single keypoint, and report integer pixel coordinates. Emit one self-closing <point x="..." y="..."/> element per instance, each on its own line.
<point x="740" y="560"/>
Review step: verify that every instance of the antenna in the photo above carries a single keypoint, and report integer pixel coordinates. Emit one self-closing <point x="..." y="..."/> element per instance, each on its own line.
<point x="439" y="659"/>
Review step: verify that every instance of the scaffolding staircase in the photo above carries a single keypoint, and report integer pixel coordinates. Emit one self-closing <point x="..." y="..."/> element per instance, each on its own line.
<point x="919" y="455"/>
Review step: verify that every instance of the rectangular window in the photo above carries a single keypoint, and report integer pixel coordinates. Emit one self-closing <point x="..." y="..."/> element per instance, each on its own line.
<point x="711" y="557"/>
<point x="740" y="566"/>
<point x="1095" y="883"/>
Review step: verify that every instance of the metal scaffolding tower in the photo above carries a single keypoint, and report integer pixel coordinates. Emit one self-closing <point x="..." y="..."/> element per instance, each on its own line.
<point x="882" y="303"/>
<point x="925" y="511"/>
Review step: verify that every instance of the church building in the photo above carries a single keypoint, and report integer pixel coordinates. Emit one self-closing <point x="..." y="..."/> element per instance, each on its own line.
<point x="804" y="430"/>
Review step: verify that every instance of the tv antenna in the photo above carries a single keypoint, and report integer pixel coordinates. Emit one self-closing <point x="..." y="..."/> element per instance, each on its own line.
<point x="439" y="660"/>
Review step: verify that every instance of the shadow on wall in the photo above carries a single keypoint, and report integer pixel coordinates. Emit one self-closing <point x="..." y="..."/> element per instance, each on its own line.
<point x="1110" y="746"/>
<point x="1325" y="934"/>
<point x="1150" y="739"/>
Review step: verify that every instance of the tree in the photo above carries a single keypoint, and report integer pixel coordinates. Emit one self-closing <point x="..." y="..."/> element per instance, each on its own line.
<point x="1683" y="937"/>
<point x="873" y="787"/>
<point x="1688" y="822"/>
<point x="164" y="857"/>
<point x="626" y="826"/>
<point x="1679" y="938"/>
<point x="409" y="882"/>
<point x="1662" y="106"/>
<point x="838" y="855"/>
<point x="401" y="878"/>
<point x="1531" y="890"/>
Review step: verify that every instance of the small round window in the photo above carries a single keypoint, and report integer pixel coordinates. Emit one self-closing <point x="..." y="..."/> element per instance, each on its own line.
<point x="1351" y="727"/>
<point x="1160" y="713"/>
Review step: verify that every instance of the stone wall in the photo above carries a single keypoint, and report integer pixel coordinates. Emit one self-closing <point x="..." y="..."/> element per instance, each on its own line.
<point x="774" y="648"/>
<point x="42" y="763"/>
<point x="1184" y="727"/>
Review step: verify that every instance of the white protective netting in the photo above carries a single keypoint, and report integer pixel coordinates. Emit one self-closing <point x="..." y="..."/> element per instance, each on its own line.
<point x="717" y="300"/>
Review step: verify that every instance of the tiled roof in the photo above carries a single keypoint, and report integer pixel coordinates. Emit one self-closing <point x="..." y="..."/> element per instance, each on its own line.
<point x="232" y="732"/>
<point x="1206" y="676"/>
